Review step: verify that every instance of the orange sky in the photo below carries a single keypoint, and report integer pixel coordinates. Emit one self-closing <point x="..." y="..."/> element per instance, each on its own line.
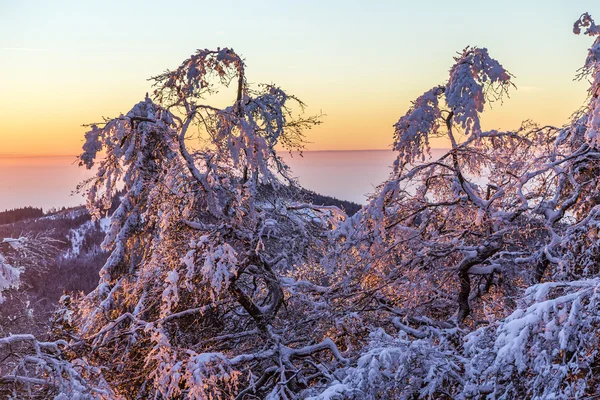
<point x="41" y="124"/>
<point x="65" y="63"/>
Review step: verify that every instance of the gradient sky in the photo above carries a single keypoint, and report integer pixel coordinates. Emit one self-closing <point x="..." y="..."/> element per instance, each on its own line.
<point x="66" y="63"/>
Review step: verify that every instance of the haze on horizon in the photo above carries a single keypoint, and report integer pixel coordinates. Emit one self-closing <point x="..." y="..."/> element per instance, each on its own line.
<point x="67" y="63"/>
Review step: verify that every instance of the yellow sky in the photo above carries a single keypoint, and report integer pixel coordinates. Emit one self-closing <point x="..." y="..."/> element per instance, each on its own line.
<point x="42" y="123"/>
<point x="64" y="64"/>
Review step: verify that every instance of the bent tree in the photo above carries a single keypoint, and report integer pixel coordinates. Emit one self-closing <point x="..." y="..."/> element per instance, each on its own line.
<point x="477" y="273"/>
<point x="435" y="225"/>
<point x="198" y="297"/>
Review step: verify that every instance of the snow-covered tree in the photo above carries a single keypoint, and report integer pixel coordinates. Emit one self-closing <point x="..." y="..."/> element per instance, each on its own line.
<point x="439" y="235"/>
<point x="211" y="289"/>
<point x="438" y="238"/>
<point x="548" y="347"/>
<point x="483" y="261"/>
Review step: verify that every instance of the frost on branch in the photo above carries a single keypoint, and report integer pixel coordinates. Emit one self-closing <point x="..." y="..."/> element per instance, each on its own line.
<point x="474" y="78"/>
<point x="38" y="369"/>
<point x="202" y="288"/>
<point x="400" y="368"/>
<point x="219" y="263"/>
<point x="546" y="349"/>
<point x="193" y="78"/>
<point x="586" y="21"/>
<point x="591" y="67"/>
<point x="412" y="131"/>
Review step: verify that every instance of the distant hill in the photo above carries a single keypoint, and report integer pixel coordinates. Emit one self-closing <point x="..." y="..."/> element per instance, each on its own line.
<point x="19" y="214"/>
<point x="349" y="207"/>
<point x="72" y="267"/>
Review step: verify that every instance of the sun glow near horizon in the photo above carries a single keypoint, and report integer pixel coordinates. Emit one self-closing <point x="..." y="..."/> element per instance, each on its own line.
<point x="361" y="66"/>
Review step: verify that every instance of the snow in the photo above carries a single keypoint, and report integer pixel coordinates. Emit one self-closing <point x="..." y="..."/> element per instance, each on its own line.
<point x="9" y="276"/>
<point x="14" y="243"/>
<point x="465" y="89"/>
<point x="335" y="391"/>
<point x="470" y="276"/>
<point x="104" y="224"/>
<point x="77" y="236"/>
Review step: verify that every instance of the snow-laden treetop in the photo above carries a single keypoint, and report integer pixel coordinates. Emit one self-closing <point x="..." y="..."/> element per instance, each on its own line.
<point x="475" y="78"/>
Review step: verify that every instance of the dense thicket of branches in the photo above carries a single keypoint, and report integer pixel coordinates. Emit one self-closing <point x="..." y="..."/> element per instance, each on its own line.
<point x="198" y="297"/>
<point x="485" y="260"/>
<point x="471" y="276"/>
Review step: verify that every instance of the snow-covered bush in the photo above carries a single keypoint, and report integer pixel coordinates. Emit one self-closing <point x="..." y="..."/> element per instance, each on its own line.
<point x="546" y="349"/>
<point x="400" y="368"/>
<point x="36" y="369"/>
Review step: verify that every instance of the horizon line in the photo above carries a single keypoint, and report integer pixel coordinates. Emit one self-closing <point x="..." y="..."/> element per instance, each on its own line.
<point x="38" y="155"/>
<point x="35" y="155"/>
